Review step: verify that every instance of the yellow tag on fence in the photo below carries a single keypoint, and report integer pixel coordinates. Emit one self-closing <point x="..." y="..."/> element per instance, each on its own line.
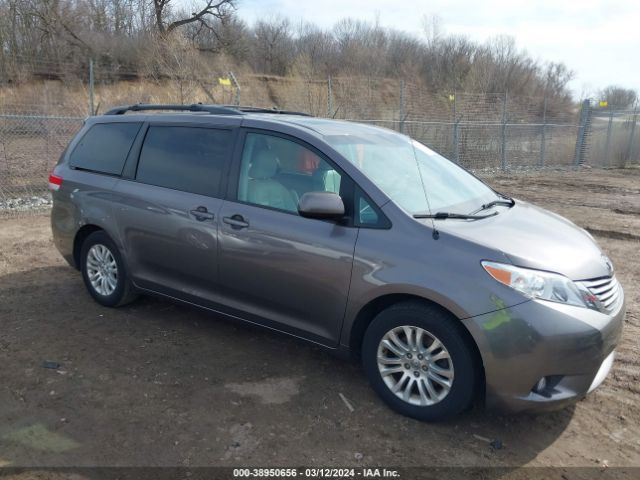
<point x="224" y="81"/>
<point x="604" y="103"/>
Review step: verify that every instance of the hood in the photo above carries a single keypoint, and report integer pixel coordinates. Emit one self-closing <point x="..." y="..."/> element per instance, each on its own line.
<point x="532" y="237"/>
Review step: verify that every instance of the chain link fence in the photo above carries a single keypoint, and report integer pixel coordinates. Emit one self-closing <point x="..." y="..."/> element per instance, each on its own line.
<point x="614" y="138"/>
<point x="486" y="133"/>
<point x="29" y="147"/>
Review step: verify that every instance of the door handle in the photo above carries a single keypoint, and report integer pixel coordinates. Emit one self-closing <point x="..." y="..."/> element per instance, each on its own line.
<point x="201" y="213"/>
<point x="236" y="221"/>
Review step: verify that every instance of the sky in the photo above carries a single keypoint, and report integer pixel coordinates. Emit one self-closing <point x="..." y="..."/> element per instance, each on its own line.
<point x="599" y="40"/>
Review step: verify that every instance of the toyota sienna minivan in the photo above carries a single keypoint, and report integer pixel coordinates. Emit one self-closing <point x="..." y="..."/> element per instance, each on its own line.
<point x="350" y="236"/>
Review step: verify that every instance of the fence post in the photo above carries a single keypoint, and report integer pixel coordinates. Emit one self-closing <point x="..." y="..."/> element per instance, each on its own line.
<point x="329" y="98"/>
<point x="581" y="145"/>
<point x="504" y="133"/>
<point x="608" y="142"/>
<point x="401" y="125"/>
<point x="91" y="107"/>
<point x="237" y="85"/>
<point x="544" y="128"/>
<point x="456" y="152"/>
<point x="632" y="134"/>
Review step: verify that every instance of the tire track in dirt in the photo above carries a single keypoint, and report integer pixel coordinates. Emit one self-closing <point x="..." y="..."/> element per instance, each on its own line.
<point x="613" y="234"/>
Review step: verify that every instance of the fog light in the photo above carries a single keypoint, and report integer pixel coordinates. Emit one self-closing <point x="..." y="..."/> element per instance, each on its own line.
<point x="541" y="385"/>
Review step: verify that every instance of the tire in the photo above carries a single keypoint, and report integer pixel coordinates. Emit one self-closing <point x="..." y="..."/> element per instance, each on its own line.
<point x="99" y="257"/>
<point x="452" y="362"/>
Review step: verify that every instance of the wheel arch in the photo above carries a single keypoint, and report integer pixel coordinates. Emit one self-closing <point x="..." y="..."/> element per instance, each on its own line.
<point x="368" y="312"/>
<point x="80" y="237"/>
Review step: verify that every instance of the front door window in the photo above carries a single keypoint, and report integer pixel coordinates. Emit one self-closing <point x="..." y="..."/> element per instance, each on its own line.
<point x="276" y="172"/>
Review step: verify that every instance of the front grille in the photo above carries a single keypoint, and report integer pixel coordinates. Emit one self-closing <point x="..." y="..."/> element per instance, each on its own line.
<point x="606" y="290"/>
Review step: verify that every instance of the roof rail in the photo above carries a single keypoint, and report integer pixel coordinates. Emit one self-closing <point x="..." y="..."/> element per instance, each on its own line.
<point x="250" y="109"/>
<point x="200" y="107"/>
<point x="196" y="107"/>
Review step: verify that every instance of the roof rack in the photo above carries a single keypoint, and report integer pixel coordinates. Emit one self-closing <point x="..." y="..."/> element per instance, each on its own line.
<point x="199" y="107"/>
<point x="196" y="107"/>
<point x="250" y="109"/>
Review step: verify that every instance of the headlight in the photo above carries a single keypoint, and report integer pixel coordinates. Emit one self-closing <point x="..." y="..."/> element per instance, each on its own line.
<point x="543" y="285"/>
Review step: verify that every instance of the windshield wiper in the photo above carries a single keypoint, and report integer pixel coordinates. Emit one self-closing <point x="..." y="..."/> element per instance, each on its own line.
<point x="460" y="216"/>
<point x="508" y="202"/>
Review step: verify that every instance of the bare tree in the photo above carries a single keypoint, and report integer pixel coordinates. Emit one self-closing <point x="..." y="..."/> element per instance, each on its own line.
<point x="210" y="9"/>
<point x="316" y="50"/>
<point x="618" y="97"/>
<point x="432" y="28"/>
<point x="229" y="36"/>
<point x="362" y="46"/>
<point x="57" y="21"/>
<point x="175" y="58"/>
<point x="273" y="45"/>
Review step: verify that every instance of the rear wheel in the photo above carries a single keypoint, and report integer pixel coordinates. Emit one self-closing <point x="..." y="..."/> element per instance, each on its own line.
<point x="417" y="360"/>
<point x="104" y="272"/>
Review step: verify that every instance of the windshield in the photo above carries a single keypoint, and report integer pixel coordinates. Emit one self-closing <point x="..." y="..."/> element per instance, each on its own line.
<point x="391" y="161"/>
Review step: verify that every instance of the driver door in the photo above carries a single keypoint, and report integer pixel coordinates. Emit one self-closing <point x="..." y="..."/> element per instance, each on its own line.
<point x="291" y="272"/>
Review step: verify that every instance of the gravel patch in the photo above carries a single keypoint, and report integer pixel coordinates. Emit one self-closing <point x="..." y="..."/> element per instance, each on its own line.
<point x="25" y="203"/>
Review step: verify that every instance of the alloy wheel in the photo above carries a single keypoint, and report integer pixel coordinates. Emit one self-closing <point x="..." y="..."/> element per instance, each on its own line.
<point x="102" y="269"/>
<point x="415" y="365"/>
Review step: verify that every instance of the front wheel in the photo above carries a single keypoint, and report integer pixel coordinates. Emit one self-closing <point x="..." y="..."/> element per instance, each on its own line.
<point x="417" y="360"/>
<point x="104" y="272"/>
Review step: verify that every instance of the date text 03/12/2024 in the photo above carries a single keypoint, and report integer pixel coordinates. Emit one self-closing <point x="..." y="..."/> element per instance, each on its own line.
<point x="315" y="473"/>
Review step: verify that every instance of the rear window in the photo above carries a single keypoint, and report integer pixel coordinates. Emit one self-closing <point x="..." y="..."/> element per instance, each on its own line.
<point x="189" y="159"/>
<point x="104" y="148"/>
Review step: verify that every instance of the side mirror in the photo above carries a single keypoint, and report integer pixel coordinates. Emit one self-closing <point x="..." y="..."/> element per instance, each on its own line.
<point x="321" y="205"/>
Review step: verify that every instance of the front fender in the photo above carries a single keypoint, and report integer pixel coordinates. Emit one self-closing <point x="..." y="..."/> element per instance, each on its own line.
<point x="410" y="261"/>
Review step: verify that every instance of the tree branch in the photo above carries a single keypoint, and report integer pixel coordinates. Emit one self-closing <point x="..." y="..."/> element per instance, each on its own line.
<point x="212" y="8"/>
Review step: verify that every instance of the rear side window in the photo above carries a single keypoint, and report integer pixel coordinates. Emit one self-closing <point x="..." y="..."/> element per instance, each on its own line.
<point x="190" y="159"/>
<point x="104" y="148"/>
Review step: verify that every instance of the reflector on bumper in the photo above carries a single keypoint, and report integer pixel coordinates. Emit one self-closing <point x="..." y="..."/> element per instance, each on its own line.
<point x="602" y="372"/>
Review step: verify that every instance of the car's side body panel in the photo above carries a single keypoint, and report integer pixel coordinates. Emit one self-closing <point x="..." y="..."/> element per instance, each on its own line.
<point x="165" y="244"/>
<point x="292" y="270"/>
<point x="83" y="199"/>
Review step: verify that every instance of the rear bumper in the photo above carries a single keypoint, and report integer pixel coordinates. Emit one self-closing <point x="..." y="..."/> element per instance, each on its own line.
<point x="571" y="347"/>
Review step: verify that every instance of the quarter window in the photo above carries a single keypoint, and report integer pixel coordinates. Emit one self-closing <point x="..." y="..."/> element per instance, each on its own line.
<point x="104" y="148"/>
<point x="366" y="214"/>
<point x="190" y="159"/>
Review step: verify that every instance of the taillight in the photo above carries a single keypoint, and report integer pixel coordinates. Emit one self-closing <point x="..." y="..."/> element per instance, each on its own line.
<point x="54" y="182"/>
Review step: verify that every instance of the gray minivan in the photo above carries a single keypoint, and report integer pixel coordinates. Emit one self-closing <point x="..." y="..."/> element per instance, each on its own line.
<point x="354" y="237"/>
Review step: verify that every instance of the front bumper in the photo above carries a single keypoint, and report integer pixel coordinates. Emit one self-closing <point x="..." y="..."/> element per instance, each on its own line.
<point x="571" y="347"/>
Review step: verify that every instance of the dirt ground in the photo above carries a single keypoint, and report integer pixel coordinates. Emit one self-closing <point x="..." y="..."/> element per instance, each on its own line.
<point x="157" y="384"/>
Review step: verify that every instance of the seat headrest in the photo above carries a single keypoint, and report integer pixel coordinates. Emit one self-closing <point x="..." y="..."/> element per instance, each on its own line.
<point x="263" y="165"/>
